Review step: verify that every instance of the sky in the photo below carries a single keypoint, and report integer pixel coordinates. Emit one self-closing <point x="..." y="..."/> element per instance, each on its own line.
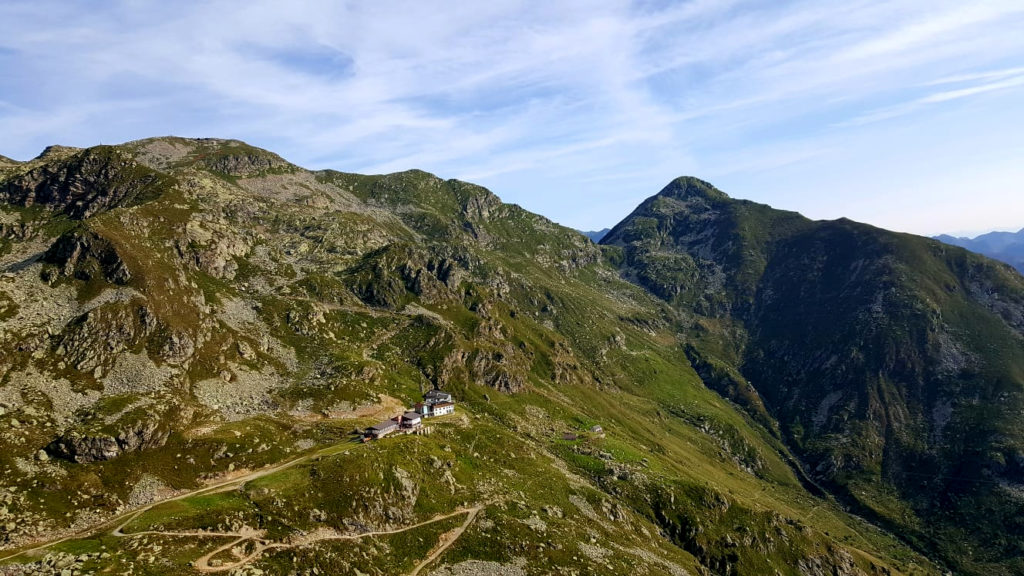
<point x="906" y="114"/>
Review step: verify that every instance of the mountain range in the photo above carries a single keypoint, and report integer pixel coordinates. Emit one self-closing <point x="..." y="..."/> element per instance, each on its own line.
<point x="197" y="331"/>
<point x="1005" y="246"/>
<point x="596" y="235"/>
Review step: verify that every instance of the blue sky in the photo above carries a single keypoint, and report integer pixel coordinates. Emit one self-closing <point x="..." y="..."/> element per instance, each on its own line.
<point x="906" y="114"/>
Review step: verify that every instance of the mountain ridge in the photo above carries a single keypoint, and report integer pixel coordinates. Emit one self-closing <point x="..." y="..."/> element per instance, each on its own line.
<point x="879" y="303"/>
<point x="595" y="235"/>
<point x="180" y="310"/>
<point x="1004" y="246"/>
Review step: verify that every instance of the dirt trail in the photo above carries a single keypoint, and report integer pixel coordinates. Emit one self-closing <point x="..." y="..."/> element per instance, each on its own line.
<point x="122" y="520"/>
<point x="261" y="545"/>
<point x="446" y="540"/>
<point x="203" y="564"/>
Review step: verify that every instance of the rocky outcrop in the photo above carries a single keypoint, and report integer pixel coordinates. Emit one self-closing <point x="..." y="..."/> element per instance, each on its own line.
<point x="493" y="363"/>
<point x="95" y="339"/>
<point x="477" y="203"/>
<point x="503" y="368"/>
<point x="85" y="255"/>
<point x="565" y="367"/>
<point x="56" y="152"/>
<point x="986" y="284"/>
<point x="838" y="563"/>
<point x="213" y="246"/>
<point x="241" y="160"/>
<point x="86" y="183"/>
<point x="17" y="230"/>
<point x="397" y="272"/>
<point x="79" y="447"/>
<point x="178" y="348"/>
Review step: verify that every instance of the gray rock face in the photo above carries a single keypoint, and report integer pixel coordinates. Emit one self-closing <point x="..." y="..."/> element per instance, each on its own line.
<point x="97" y="337"/>
<point x="86" y="183"/>
<point x="79" y="447"/>
<point x="84" y="255"/>
<point x="243" y="161"/>
<point x="1008" y="306"/>
<point x="178" y="348"/>
<point x="837" y="563"/>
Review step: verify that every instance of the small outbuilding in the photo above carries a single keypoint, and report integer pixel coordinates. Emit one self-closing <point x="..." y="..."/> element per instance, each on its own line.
<point x="411" y="420"/>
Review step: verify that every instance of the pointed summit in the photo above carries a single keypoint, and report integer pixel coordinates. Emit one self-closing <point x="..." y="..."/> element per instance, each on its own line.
<point x="686" y="187"/>
<point x="685" y="204"/>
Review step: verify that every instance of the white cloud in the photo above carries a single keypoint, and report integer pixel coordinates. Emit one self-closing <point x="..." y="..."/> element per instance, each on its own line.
<point x="549" y="104"/>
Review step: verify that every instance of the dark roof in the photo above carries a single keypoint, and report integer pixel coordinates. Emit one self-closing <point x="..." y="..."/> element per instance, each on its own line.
<point x="435" y="393"/>
<point x="412" y="416"/>
<point x="384" y="425"/>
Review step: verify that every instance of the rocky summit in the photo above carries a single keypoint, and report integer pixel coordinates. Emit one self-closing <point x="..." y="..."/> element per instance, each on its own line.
<point x="215" y="361"/>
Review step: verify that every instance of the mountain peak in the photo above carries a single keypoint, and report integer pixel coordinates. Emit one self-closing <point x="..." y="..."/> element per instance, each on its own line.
<point x="686" y="187"/>
<point x="57" y="151"/>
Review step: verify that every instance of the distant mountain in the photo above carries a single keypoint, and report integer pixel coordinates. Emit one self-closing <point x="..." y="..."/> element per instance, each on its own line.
<point x="596" y="235"/>
<point x="1005" y="246"/>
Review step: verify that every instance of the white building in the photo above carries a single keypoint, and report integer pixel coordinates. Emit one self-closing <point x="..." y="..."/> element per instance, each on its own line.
<point x="442" y="408"/>
<point x="436" y="403"/>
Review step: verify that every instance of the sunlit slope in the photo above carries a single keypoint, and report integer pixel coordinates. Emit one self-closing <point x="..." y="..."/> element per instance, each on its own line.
<point x="183" y="313"/>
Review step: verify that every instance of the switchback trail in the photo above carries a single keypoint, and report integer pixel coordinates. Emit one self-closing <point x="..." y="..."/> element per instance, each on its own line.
<point x="260" y="545"/>
<point x="123" y="519"/>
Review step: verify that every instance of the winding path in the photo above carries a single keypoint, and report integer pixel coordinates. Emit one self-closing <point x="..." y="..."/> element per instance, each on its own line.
<point x="123" y="519"/>
<point x="260" y="545"/>
<point x="446" y="540"/>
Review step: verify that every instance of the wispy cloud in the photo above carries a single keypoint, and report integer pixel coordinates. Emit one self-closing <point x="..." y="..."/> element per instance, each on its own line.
<point x="986" y="75"/>
<point x="555" y="106"/>
<point x="943" y="96"/>
<point x="948" y="95"/>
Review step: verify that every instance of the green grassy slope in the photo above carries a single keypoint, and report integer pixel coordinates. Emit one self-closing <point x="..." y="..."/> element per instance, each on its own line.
<point x="228" y="311"/>
<point x="893" y="363"/>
